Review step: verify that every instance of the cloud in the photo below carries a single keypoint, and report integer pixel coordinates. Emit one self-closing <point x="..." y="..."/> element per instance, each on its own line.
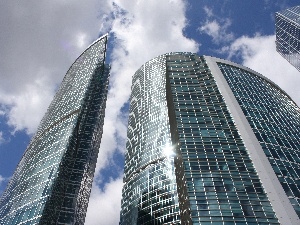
<point x="27" y="106"/>
<point x="3" y="182"/>
<point x="2" y="113"/>
<point x="259" y="53"/>
<point x="1" y="179"/>
<point x="105" y="205"/>
<point x="1" y="141"/>
<point x="216" y="27"/>
<point x="208" y="11"/>
<point x="38" y="42"/>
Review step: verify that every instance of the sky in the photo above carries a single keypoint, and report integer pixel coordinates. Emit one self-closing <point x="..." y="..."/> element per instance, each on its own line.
<point x="41" y="39"/>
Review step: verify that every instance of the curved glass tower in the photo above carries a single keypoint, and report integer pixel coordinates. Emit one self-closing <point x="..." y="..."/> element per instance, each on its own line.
<point x="52" y="182"/>
<point x="209" y="142"/>
<point x="149" y="192"/>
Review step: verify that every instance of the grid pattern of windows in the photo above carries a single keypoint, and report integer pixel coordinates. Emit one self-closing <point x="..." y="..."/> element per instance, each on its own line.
<point x="288" y="35"/>
<point x="275" y="120"/>
<point x="53" y="179"/>
<point x="222" y="184"/>
<point x="149" y="194"/>
<point x="186" y="159"/>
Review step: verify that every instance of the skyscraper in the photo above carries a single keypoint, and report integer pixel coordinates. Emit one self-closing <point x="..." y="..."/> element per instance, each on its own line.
<point x="209" y="142"/>
<point x="52" y="182"/>
<point x="288" y="35"/>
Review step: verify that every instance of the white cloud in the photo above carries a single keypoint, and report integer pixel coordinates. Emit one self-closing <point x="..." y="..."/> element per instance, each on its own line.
<point x="105" y="205"/>
<point x="259" y="53"/>
<point x="27" y="105"/>
<point x="1" y="141"/>
<point x="216" y="27"/>
<point x="3" y="181"/>
<point x="38" y="42"/>
<point x="208" y="11"/>
<point x="81" y="40"/>
<point x="217" y="30"/>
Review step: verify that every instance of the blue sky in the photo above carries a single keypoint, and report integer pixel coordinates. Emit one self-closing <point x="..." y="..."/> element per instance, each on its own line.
<point x="40" y="40"/>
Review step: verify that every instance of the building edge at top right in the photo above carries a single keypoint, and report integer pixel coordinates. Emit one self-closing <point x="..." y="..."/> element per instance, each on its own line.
<point x="288" y="35"/>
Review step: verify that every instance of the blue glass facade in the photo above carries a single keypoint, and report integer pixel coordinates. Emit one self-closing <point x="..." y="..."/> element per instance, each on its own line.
<point x="288" y="35"/>
<point x="149" y="192"/>
<point x="275" y="120"/>
<point x="217" y="178"/>
<point x="52" y="182"/>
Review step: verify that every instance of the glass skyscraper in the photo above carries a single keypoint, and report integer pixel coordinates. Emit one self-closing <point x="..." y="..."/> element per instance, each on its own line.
<point x="52" y="182"/>
<point x="209" y="142"/>
<point x="288" y="35"/>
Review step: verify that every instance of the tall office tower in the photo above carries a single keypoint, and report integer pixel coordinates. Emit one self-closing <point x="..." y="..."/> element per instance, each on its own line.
<point x="210" y="142"/>
<point x="52" y="182"/>
<point x="288" y="35"/>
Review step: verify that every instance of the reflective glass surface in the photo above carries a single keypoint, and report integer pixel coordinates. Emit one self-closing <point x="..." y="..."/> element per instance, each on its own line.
<point x="222" y="184"/>
<point x="275" y="120"/>
<point x="52" y="182"/>
<point x="186" y="162"/>
<point x="149" y="194"/>
<point x="288" y="35"/>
